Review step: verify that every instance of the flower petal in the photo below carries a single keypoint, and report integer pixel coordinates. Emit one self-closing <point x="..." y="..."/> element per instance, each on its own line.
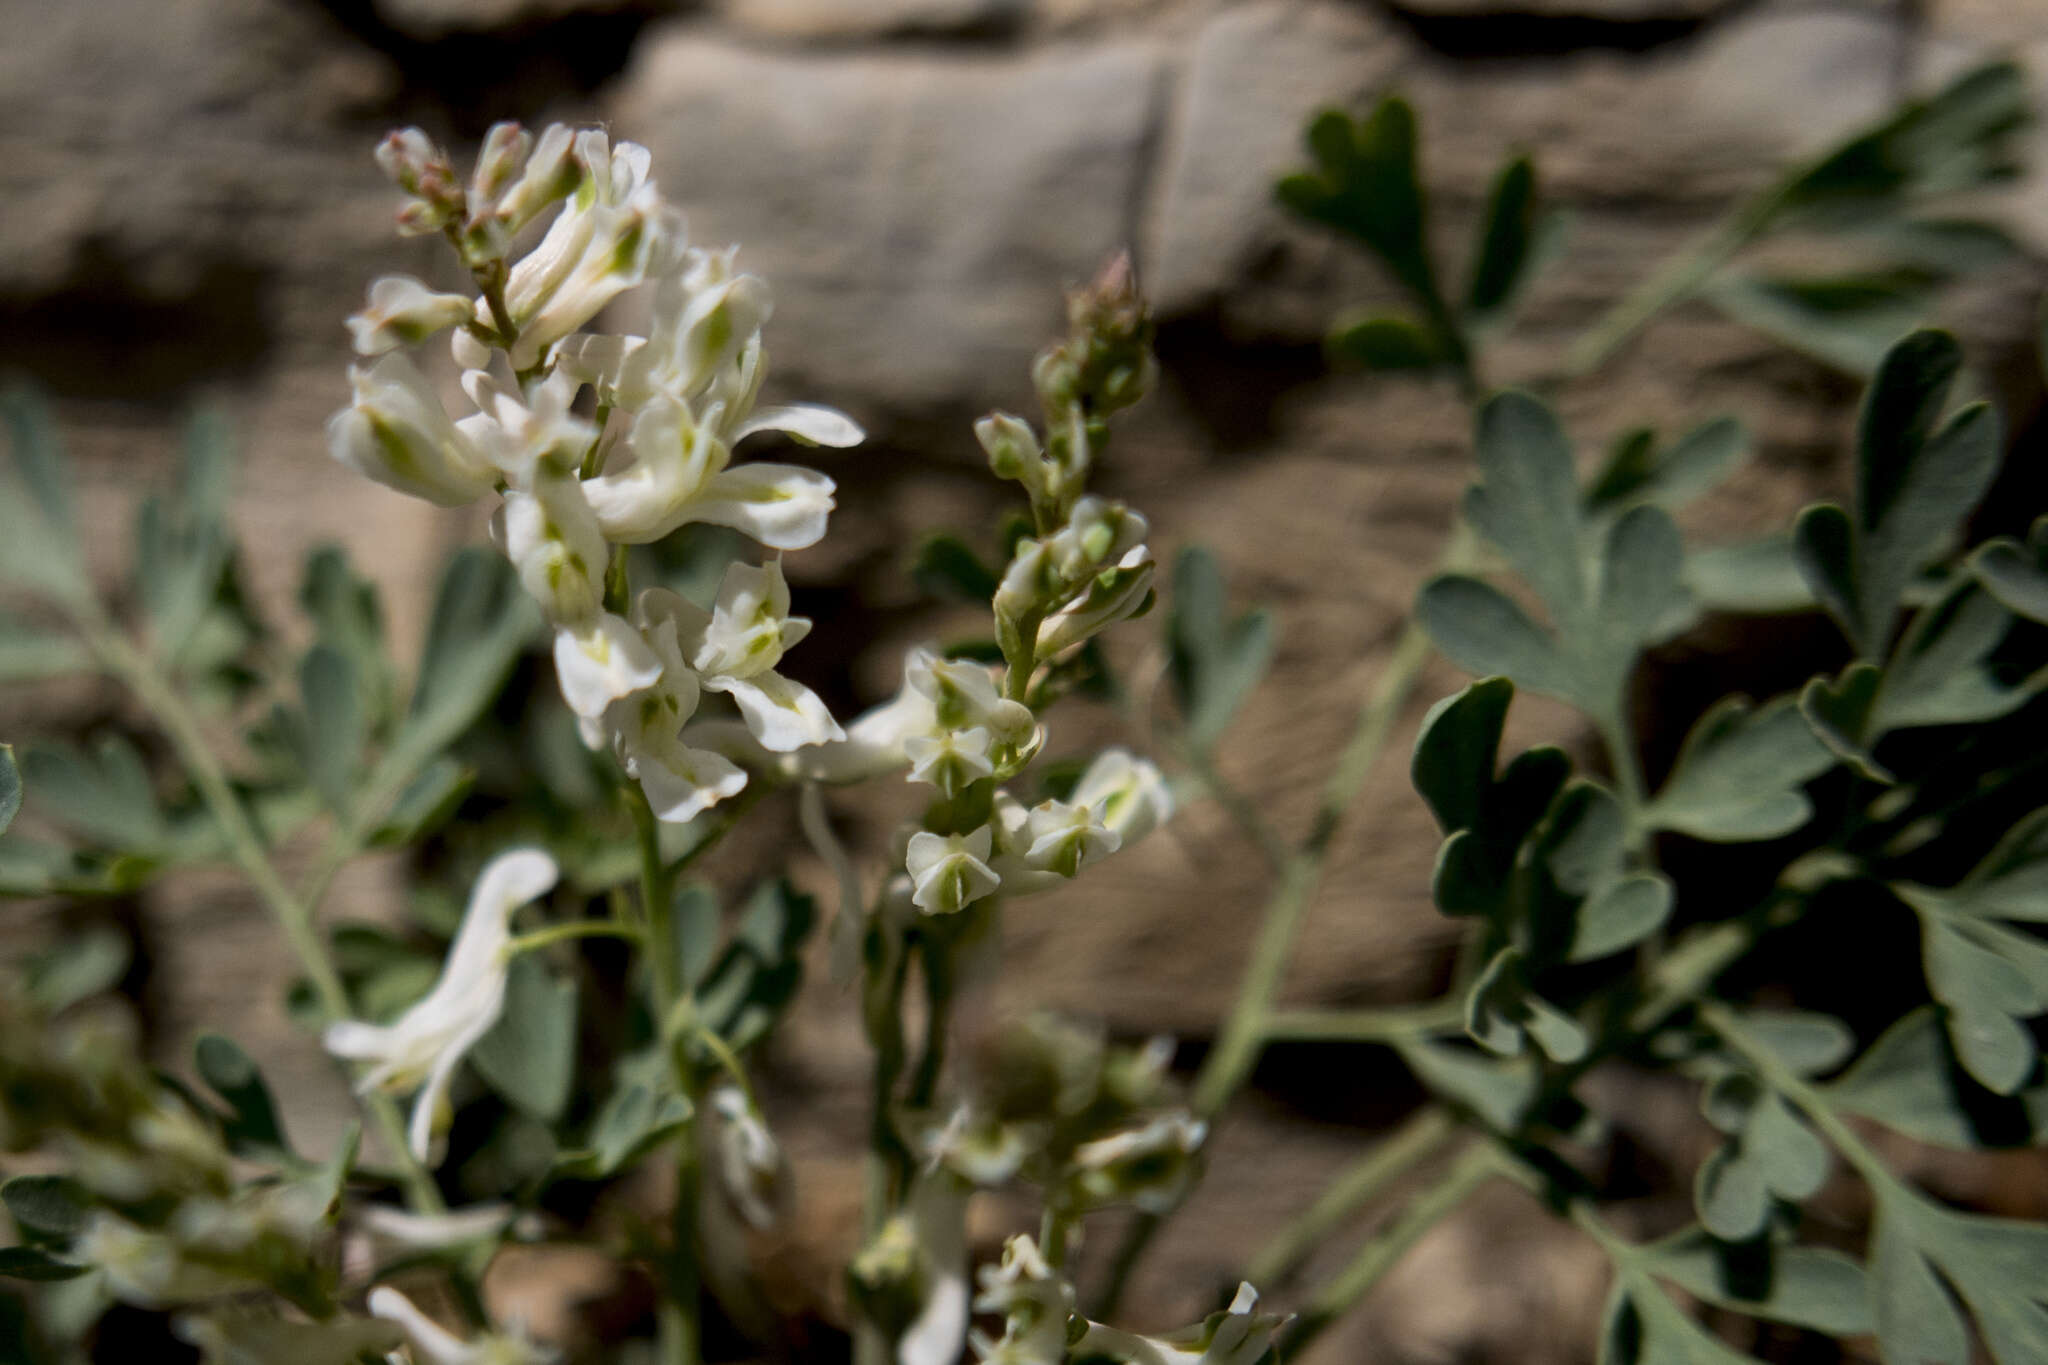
<point x="782" y="506"/>
<point x="600" y="662"/>
<point x="782" y="713"/>
<point x="812" y="423"/>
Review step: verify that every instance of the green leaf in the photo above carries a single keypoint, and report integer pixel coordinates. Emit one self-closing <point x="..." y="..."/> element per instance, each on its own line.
<point x="1914" y="482"/>
<point x="1804" y="1286"/>
<point x="1528" y="501"/>
<point x="1909" y="1081"/>
<point x="1364" y="184"/>
<point x="2015" y="574"/>
<point x="480" y="620"/>
<point x="1808" y="1044"/>
<point x="1644" y="1327"/>
<point x="104" y="796"/>
<point x="697" y="918"/>
<point x="529" y="1056"/>
<point x="1754" y="576"/>
<point x="1484" y="632"/>
<point x="1391" y="342"/>
<point x="1507" y="240"/>
<point x="52" y="1207"/>
<point x="1499" y="1091"/>
<point x="1943" y="673"/>
<point x="1741" y="774"/>
<point x="946" y="567"/>
<point x="26" y="1263"/>
<point x="1215" y="661"/>
<point x="77" y="967"/>
<point x="632" y="1120"/>
<point x="30" y="655"/>
<point x="337" y="725"/>
<point x="346" y="617"/>
<point x="1838" y="712"/>
<point x="39" y="545"/>
<point x="1845" y="321"/>
<point x="1502" y="1009"/>
<point x="1992" y="1264"/>
<point x="1457" y="751"/>
<point x="251" y="1126"/>
<point x="10" y="787"/>
<point x="1637" y="473"/>
<point x="1621" y="915"/>
<point x="1642" y="600"/>
<point x="426" y="804"/>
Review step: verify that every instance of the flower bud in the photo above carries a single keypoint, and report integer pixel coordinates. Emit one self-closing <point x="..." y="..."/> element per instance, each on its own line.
<point x="1128" y="795"/>
<point x="963" y="694"/>
<point x="551" y="173"/>
<point x="1013" y="450"/>
<point x="422" y="170"/>
<point x="1150" y="1167"/>
<point x="1097" y="530"/>
<point x="1114" y="594"/>
<point x="952" y="761"/>
<point x="501" y="158"/>
<point x="401" y="311"/>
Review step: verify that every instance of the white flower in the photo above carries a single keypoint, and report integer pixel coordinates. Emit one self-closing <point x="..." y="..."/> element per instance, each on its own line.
<point x="1239" y="1336"/>
<point x="614" y="231"/>
<point x="397" y="433"/>
<point x="938" y="1220"/>
<point x="1128" y="795"/>
<point x="601" y="660"/>
<point x="680" y="782"/>
<point x="423" y="1046"/>
<point x="1150" y="1166"/>
<point x="704" y="318"/>
<point x="749" y="1161"/>
<point x="433" y="1344"/>
<point x="1096" y="530"/>
<point x="963" y="694"/>
<point x="950" y="871"/>
<point x="551" y="172"/>
<point x="1062" y="838"/>
<point x="950" y="761"/>
<point x="1035" y="1303"/>
<point x="527" y="438"/>
<point x="736" y="647"/>
<point x="401" y="311"/>
<point x="552" y="539"/>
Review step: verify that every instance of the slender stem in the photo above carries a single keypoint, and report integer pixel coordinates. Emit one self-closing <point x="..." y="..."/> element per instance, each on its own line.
<point x="1420" y="1135"/>
<point x="560" y="933"/>
<point x="1239" y="807"/>
<point x="1055" y="1230"/>
<point x="1364" y="1026"/>
<point x="935" y="956"/>
<point x="728" y="1060"/>
<point x="1473" y="1167"/>
<point x="246" y="847"/>
<point x="678" y="1318"/>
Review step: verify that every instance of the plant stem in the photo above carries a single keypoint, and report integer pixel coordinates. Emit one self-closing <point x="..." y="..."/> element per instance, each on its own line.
<point x="1794" y="1087"/>
<point x="1241" y="808"/>
<point x="1474" y="1166"/>
<point x="561" y="933"/>
<point x="246" y="848"/>
<point x="1364" y="1025"/>
<point x="1415" y="1139"/>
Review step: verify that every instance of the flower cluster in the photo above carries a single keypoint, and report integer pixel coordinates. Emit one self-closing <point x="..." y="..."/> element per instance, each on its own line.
<point x="654" y="453"/>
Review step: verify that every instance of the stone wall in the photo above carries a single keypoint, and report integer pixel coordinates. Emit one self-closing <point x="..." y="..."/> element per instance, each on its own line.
<point x="190" y="208"/>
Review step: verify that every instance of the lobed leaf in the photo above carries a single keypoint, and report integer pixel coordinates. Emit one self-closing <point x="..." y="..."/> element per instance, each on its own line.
<point x="1741" y="774"/>
<point x="1215" y="661"/>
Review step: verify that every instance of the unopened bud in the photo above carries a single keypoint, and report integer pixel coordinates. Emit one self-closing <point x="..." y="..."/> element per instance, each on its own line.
<point x="1012" y="447"/>
<point x="403" y="312"/>
<point x="497" y="162"/>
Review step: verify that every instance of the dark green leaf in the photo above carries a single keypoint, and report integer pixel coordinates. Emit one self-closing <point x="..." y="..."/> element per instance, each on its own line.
<point x="1838" y="712"/>
<point x="1824" y="548"/>
<point x="529" y="1056"/>
<point x="1498" y="1091"/>
<point x="697" y="917"/>
<point x="1909" y="1080"/>
<point x="426" y="804"/>
<point x="1507" y="240"/>
<point x="26" y="1263"/>
<point x="1741" y="774"/>
<point x="1528" y="500"/>
<point x="2015" y="574"/>
<point x="104" y="796"/>
<point x="251" y="1126"/>
<point x="1644" y="1327"/>
<point x="946" y="567"/>
<point x="1637" y="473"/>
<point x="1942" y="672"/>
<point x="1364" y="184"/>
<point x="1730" y="1194"/>
<point x="1641" y="598"/>
<point x="10" y="787"/>
<point x="1992" y="1264"/>
<point x="1808" y="1044"/>
<point x="1216" y="661"/>
<point x="632" y="1120"/>
<point x="1388" y="343"/>
<point x="77" y="967"/>
<point x="38" y="527"/>
<point x="30" y="655"/>
<point x="55" y="1207"/>
<point x="1621" y="915"/>
<point x="1846" y="322"/>
<point x="1457" y="751"/>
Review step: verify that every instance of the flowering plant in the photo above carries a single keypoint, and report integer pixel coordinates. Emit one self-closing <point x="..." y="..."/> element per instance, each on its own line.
<point x="644" y="561"/>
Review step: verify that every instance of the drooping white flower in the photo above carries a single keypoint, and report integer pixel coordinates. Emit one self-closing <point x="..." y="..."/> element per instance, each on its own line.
<point x="679" y="781"/>
<point x="549" y="534"/>
<point x="433" y="1344"/>
<point x="396" y="432"/>
<point x="404" y="1230"/>
<point x="736" y="646"/>
<point x="937" y="1205"/>
<point x="950" y="871"/>
<point x="401" y="311"/>
<point x="421" y="1048"/>
<point x="1127" y="794"/>
<point x="1238" y="1336"/>
<point x="749" y="1160"/>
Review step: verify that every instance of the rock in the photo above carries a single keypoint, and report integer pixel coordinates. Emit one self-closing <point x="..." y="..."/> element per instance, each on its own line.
<point x="843" y="20"/>
<point x="915" y="213"/>
<point x="1606" y="11"/>
<point x="429" y="19"/>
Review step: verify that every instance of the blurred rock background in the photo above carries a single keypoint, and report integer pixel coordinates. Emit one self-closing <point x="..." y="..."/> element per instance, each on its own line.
<point x="190" y="210"/>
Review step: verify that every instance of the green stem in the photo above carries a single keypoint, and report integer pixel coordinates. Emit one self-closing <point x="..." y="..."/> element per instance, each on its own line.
<point x="1473" y="1167"/>
<point x="1422" y="1134"/>
<point x="247" y="849"/>
<point x="1364" y="1026"/>
<point x="1795" y="1088"/>
<point x="561" y="933"/>
<point x="935" y="956"/>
